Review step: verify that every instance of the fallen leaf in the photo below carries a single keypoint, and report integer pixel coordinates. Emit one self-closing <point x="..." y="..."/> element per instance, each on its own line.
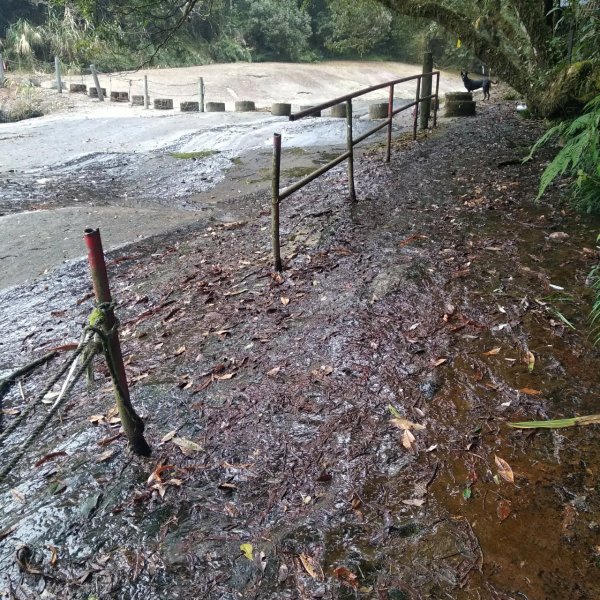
<point x="168" y="436"/>
<point x="414" y="502"/>
<point x="273" y="371"/>
<point x="407" y="439"/>
<point x="53" y="555"/>
<point x="406" y="424"/>
<point x="311" y="566"/>
<point x="156" y="475"/>
<point x="530" y="361"/>
<point x="96" y="419"/>
<point x="439" y="362"/>
<point x="48" y="457"/>
<point x="503" y="509"/>
<point x="467" y="493"/>
<point x="186" y="446"/>
<point x="284" y="300"/>
<point x="223" y="332"/>
<point x="17" y="495"/>
<point x="180" y="350"/>
<point x="346" y="576"/>
<point x="247" y="551"/>
<point x="326" y="369"/>
<point x="569" y="517"/>
<point x="504" y="469"/>
<point x="105" y="455"/>
<point x="262" y="561"/>
<point x="50" y="397"/>
<point x="224" y="377"/>
<point x="10" y="411"/>
<point x="492" y="352"/>
<point x="530" y="391"/>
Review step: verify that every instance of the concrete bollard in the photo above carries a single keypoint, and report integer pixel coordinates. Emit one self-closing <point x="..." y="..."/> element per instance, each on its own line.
<point x="163" y="103"/>
<point x="245" y="106"/>
<point x="189" y="106"/>
<point x="338" y="111"/>
<point x="314" y="113"/>
<point x="379" y="111"/>
<point x="93" y="92"/>
<point x="215" y="107"/>
<point x="281" y="109"/>
<point x="137" y="100"/>
<point x="119" y="97"/>
<point x="459" y="108"/>
<point x="458" y="96"/>
<point x="77" y="88"/>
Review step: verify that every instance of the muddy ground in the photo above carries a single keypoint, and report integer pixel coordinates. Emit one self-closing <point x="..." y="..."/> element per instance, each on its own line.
<point x="440" y="295"/>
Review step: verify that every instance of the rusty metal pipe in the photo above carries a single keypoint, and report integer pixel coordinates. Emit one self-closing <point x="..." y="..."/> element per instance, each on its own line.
<point x="275" y="199"/>
<point x="350" y="150"/>
<point x="131" y="422"/>
<point x="300" y="184"/>
<point x="388" y="150"/>
<point x="307" y="112"/>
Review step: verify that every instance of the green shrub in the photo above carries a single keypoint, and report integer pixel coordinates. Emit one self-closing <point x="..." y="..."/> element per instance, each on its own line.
<point x="579" y="158"/>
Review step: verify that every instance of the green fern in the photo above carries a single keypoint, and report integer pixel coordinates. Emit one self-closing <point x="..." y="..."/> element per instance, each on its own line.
<point x="595" y="312"/>
<point x="579" y="158"/>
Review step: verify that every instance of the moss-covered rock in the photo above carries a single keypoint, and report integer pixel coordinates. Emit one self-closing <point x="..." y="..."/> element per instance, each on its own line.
<point x="569" y="90"/>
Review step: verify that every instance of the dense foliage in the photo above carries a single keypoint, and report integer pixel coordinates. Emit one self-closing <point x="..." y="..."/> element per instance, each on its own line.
<point x="118" y="34"/>
<point x="579" y="157"/>
<point x="546" y="49"/>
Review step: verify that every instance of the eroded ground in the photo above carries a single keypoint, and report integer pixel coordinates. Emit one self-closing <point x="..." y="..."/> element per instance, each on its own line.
<point x="430" y="294"/>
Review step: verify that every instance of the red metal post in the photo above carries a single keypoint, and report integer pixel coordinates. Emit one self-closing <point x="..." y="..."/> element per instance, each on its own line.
<point x="350" y="150"/>
<point x="275" y="239"/>
<point x="131" y="422"/>
<point x="388" y="151"/>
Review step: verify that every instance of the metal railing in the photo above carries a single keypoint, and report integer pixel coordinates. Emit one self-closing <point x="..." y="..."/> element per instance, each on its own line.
<point x="277" y="194"/>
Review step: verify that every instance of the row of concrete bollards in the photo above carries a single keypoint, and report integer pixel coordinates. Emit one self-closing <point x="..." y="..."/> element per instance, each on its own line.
<point x="280" y="109"/>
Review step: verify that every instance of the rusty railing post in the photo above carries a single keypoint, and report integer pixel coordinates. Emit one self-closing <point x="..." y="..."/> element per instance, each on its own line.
<point x="417" y="100"/>
<point x="426" y="89"/>
<point x="275" y="242"/>
<point x="350" y="148"/>
<point x="437" y="98"/>
<point x="388" y="151"/>
<point x="131" y="422"/>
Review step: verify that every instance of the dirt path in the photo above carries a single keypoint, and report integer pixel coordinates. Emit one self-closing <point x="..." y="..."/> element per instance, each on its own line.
<point x="426" y="295"/>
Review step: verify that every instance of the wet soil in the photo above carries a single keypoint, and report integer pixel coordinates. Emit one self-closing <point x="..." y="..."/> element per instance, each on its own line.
<point x="429" y="295"/>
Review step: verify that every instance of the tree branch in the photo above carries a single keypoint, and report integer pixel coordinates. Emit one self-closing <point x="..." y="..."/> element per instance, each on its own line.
<point x="461" y="24"/>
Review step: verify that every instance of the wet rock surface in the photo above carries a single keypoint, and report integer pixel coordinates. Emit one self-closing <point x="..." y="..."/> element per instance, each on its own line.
<point x="425" y="296"/>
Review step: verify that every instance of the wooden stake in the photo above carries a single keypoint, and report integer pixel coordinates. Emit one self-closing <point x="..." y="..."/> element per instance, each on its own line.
<point x="275" y="202"/>
<point x="97" y="83"/>
<point x="426" y="89"/>
<point x="58" y="78"/>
